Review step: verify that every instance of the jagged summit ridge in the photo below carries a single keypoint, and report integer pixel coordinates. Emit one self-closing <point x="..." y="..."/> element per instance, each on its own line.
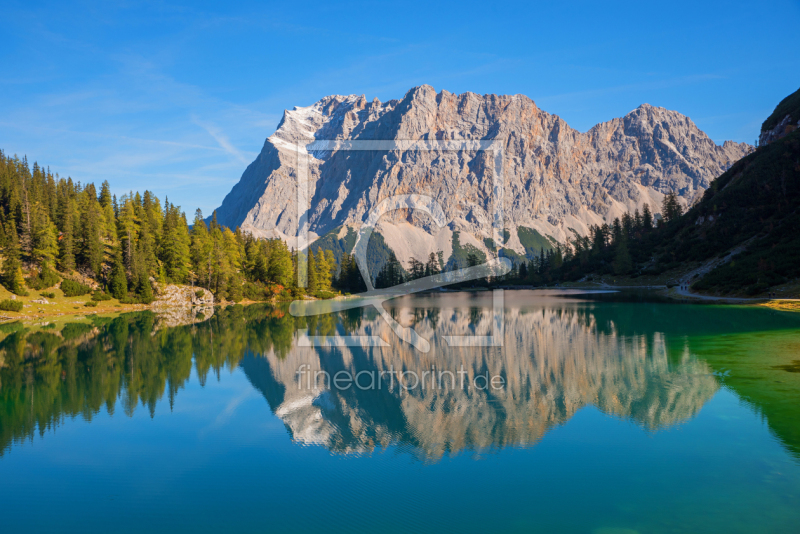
<point x="557" y="179"/>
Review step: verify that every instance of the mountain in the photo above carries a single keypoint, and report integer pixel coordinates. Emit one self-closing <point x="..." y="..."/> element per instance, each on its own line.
<point x="741" y="237"/>
<point x="557" y="179"/>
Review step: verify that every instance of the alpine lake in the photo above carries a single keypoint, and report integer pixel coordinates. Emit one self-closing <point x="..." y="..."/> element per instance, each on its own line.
<point x="602" y="413"/>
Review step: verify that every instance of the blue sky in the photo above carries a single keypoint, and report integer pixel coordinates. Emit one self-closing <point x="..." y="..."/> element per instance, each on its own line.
<point x="179" y="97"/>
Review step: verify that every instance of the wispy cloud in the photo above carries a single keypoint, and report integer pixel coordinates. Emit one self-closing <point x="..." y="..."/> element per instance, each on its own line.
<point x="223" y="141"/>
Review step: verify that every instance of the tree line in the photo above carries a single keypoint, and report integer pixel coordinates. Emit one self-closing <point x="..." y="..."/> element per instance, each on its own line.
<point x="53" y="228"/>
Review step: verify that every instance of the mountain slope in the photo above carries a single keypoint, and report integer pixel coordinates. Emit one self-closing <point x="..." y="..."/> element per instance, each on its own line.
<point x="557" y="179"/>
<point x="754" y="203"/>
<point x="784" y="120"/>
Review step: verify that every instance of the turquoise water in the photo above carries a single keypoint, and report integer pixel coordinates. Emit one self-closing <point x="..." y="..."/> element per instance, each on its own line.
<point x="613" y="417"/>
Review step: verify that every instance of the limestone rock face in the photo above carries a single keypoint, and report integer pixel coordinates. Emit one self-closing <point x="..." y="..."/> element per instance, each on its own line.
<point x="556" y="179"/>
<point x="784" y="127"/>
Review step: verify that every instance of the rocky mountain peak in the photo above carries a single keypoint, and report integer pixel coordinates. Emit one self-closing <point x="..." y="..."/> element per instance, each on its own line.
<point x="557" y="179"/>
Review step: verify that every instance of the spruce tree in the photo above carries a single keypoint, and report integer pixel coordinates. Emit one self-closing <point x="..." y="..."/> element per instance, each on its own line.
<point x="622" y="258"/>
<point x="45" y="242"/>
<point x="311" y="277"/>
<point x="66" y="255"/>
<point x="176" y="247"/>
<point x="280" y="264"/>
<point x="330" y="260"/>
<point x="118" y="285"/>
<point x="26" y="226"/>
<point x="200" y="250"/>
<point x="144" y="291"/>
<point x="647" y="218"/>
<point x="234" y="289"/>
<point x="12" y="265"/>
<point x="90" y="250"/>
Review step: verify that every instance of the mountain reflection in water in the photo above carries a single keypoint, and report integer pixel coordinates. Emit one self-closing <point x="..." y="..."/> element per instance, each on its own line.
<point x="633" y="361"/>
<point x="553" y="362"/>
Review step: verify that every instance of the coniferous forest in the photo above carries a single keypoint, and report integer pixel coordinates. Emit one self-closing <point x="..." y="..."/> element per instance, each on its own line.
<point x="54" y="229"/>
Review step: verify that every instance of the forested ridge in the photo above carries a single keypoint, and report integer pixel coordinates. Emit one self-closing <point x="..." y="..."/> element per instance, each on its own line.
<point x="54" y="228"/>
<point x="751" y="209"/>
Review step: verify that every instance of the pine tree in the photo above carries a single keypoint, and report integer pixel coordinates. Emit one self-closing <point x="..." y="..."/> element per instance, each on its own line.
<point x="622" y="258"/>
<point x="26" y="226"/>
<point x="311" y="277"/>
<point x="234" y="289"/>
<point x="200" y="250"/>
<point x="105" y="194"/>
<point x="432" y="266"/>
<point x="12" y="265"/>
<point x="90" y="250"/>
<point x="323" y="271"/>
<point x="46" y="248"/>
<point x="175" y="246"/>
<point x="109" y="227"/>
<point x="66" y="256"/>
<point x="118" y="285"/>
<point x="144" y="290"/>
<point x="330" y="261"/>
<point x="667" y="206"/>
<point x="126" y="230"/>
<point x="616" y="231"/>
<point x="647" y="218"/>
<point x="417" y="268"/>
<point x="280" y="264"/>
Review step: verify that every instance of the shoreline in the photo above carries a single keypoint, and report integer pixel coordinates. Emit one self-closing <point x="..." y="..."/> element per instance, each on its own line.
<point x="161" y="307"/>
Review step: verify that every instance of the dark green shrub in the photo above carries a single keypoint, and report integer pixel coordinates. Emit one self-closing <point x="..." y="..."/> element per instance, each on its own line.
<point x="90" y="304"/>
<point x="11" y="305"/>
<point x="199" y="293"/>
<point x="48" y="294"/>
<point x="72" y="288"/>
<point x="43" y="279"/>
<point x="253" y="291"/>
<point x="100" y="295"/>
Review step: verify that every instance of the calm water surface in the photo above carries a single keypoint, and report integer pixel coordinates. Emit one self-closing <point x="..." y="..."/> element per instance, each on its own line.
<point x="613" y="417"/>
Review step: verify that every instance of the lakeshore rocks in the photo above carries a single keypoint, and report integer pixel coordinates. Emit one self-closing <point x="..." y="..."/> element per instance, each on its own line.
<point x="172" y="295"/>
<point x="178" y="305"/>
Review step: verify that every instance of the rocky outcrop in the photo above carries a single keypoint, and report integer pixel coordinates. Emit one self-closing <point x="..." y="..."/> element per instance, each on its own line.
<point x="783" y="121"/>
<point x="177" y="305"/>
<point x="557" y="179"/>
<point x="784" y="127"/>
<point x="171" y="295"/>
